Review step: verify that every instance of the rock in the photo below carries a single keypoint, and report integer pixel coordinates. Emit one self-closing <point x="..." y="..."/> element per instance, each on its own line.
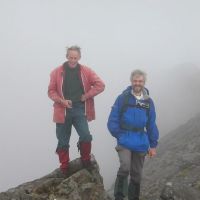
<point x="169" y="184"/>
<point x="178" y="192"/>
<point x="79" y="184"/>
<point x="174" y="173"/>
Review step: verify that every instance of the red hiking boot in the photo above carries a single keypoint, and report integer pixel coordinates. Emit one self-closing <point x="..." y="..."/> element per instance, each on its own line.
<point x="85" y="151"/>
<point x="64" y="160"/>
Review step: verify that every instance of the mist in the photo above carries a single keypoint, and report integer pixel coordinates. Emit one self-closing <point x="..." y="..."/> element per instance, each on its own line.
<point x="116" y="37"/>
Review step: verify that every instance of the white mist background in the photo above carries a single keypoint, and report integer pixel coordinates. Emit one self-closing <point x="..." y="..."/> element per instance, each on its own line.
<point x="116" y="37"/>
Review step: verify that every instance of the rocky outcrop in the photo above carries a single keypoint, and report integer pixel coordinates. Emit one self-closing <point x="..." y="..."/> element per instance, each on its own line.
<point x="175" y="173"/>
<point x="78" y="184"/>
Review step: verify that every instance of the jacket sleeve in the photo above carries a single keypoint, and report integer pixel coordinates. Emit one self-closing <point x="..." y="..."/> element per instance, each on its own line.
<point x="152" y="129"/>
<point x="52" y="88"/>
<point x="113" y="123"/>
<point x="97" y="84"/>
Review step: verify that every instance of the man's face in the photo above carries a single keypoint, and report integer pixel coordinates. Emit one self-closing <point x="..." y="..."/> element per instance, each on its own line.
<point x="138" y="83"/>
<point x="73" y="57"/>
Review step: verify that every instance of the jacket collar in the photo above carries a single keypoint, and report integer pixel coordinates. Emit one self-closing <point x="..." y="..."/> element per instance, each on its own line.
<point x="145" y="92"/>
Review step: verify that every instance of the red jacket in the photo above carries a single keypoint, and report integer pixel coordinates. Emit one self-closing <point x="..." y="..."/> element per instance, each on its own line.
<point x="92" y="85"/>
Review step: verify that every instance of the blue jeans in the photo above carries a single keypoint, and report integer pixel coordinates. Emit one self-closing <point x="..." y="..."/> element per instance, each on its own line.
<point x="74" y="116"/>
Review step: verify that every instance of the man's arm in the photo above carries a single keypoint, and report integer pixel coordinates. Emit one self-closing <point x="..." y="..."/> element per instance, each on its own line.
<point x="113" y="123"/>
<point x="97" y="84"/>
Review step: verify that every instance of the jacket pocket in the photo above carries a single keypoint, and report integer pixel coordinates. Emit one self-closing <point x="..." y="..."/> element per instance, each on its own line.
<point x="59" y="113"/>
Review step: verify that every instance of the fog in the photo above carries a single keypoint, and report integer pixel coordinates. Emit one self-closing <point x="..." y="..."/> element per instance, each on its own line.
<point x="116" y="37"/>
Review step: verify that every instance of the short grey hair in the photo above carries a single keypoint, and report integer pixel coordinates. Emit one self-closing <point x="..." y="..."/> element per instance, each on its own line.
<point x="138" y="72"/>
<point x="73" y="48"/>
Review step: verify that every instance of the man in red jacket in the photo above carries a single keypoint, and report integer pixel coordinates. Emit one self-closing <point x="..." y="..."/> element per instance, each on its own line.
<point x="72" y="87"/>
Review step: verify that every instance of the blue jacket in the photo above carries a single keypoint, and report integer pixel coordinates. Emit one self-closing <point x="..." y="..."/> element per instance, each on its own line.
<point x="137" y="117"/>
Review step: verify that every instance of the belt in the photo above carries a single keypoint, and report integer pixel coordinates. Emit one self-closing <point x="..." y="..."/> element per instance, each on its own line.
<point x="131" y="128"/>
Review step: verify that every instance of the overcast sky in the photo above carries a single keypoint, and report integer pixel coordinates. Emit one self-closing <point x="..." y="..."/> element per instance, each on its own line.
<point x="116" y="37"/>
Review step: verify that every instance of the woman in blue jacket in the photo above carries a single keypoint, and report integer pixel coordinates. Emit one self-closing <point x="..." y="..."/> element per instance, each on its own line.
<point x="132" y="122"/>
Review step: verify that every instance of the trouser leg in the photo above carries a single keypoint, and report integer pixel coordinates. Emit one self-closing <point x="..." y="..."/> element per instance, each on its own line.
<point x="137" y="162"/>
<point x="63" y="133"/>
<point x="80" y="123"/>
<point x="121" y="183"/>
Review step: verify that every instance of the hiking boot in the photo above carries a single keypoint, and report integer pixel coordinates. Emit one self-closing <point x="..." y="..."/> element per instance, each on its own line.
<point x="133" y="190"/>
<point x="85" y="151"/>
<point x="120" y="187"/>
<point x="64" y="160"/>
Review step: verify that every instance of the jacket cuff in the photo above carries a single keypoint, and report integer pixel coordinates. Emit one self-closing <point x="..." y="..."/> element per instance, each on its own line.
<point x="87" y="95"/>
<point x="154" y="145"/>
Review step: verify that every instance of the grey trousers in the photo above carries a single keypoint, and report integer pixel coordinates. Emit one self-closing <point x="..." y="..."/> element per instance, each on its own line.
<point x="131" y="163"/>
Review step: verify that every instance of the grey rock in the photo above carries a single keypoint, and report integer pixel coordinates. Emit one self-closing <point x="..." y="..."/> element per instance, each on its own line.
<point x="178" y="192"/>
<point x="174" y="173"/>
<point x="78" y="184"/>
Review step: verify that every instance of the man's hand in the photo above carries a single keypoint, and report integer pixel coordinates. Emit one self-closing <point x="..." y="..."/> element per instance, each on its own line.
<point x="152" y="152"/>
<point x="83" y="98"/>
<point x="66" y="103"/>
